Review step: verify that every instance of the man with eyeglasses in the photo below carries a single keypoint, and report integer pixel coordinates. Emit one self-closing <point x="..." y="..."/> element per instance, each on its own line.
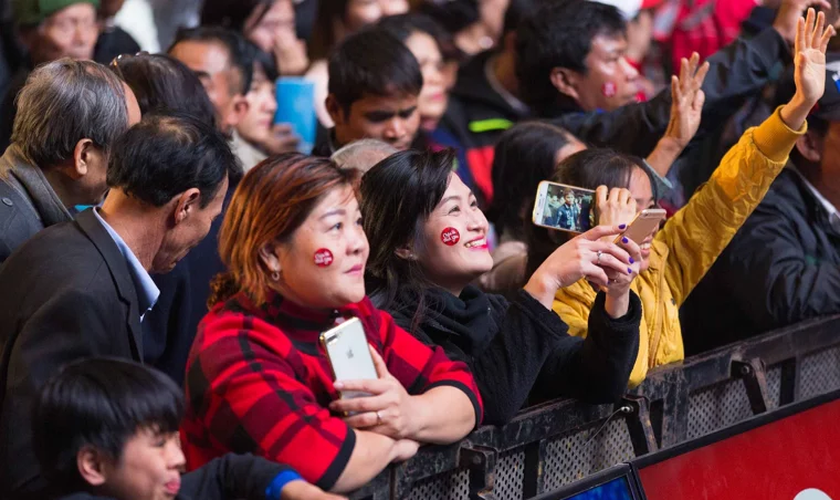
<point x="49" y="30"/>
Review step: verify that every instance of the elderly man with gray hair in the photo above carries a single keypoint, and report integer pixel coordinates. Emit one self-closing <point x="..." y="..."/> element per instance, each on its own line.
<point x="70" y="113"/>
<point x="363" y="154"/>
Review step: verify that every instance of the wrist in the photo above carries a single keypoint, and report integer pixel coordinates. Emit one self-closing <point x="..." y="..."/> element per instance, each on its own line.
<point x="288" y="479"/>
<point x="796" y="111"/>
<point x="542" y="289"/>
<point x="617" y="303"/>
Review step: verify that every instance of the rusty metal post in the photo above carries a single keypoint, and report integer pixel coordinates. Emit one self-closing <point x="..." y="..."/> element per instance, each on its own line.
<point x="638" y="424"/>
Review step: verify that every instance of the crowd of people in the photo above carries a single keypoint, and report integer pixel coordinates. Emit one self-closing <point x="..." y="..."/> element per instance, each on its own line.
<point x="171" y="252"/>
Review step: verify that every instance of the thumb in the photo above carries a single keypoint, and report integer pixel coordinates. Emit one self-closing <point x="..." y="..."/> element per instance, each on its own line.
<point x="379" y="363"/>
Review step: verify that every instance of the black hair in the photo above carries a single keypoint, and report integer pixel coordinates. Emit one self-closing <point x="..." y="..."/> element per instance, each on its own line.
<point x="266" y="62"/>
<point x="516" y="11"/>
<point x="525" y="155"/>
<point x="587" y="169"/>
<point x="163" y="84"/>
<point x="323" y="35"/>
<point x="397" y="196"/>
<point x="233" y="14"/>
<point x="559" y="35"/>
<point x="241" y="55"/>
<point x="165" y="155"/>
<point x="453" y="15"/>
<point x="372" y="62"/>
<point x="402" y="26"/>
<point x="102" y="403"/>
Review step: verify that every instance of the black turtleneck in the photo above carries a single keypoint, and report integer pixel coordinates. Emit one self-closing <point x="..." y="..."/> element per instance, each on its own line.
<point x="519" y="348"/>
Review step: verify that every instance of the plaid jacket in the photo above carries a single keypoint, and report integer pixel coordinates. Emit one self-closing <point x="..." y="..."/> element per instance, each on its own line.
<point x="258" y="382"/>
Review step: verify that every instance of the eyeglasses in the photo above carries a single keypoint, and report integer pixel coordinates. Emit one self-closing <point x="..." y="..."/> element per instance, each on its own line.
<point x="115" y="62"/>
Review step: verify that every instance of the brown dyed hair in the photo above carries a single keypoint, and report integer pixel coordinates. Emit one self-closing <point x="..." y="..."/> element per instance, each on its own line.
<point x="270" y="204"/>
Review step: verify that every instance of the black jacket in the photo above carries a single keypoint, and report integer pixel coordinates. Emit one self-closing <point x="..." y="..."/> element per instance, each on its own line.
<point x="244" y="477"/>
<point x="28" y="203"/>
<point x="515" y="347"/>
<point x="170" y="327"/>
<point x="781" y="268"/>
<point x="67" y="294"/>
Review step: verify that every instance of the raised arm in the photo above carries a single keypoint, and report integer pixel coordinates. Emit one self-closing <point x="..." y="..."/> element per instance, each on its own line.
<point x="698" y="233"/>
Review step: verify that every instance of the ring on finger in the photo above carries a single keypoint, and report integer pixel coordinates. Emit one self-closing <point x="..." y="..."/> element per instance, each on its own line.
<point x="378" y="418"/>
<point x="599" y="256"/>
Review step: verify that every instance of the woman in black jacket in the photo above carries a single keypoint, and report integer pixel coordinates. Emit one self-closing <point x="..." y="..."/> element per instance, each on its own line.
<point x="428" y="243"/>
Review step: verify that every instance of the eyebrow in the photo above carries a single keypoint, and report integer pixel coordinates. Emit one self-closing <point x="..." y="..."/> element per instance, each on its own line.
<point x="336" y="211"/>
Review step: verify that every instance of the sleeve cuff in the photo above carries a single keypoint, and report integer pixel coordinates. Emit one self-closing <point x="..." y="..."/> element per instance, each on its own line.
<point x="479" y="414"/>
<point x="275" y="489"/>
<point x="627" y="323"/>
<point x="775" y="139"/>
<point x="339" y="463"/>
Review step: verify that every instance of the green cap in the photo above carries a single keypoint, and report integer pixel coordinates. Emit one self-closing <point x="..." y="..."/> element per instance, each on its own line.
<point x="32" y="12"/>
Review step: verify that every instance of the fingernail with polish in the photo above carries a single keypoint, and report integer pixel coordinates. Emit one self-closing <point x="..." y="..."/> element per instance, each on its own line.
<point x="622" y="226"/>
<point x="625" y="240"/>
<point x="629" y="271"/>
<point x="632" y="261"/>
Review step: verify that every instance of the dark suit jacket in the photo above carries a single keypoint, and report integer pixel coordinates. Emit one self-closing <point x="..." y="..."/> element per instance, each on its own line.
<point x="66" y="294"/>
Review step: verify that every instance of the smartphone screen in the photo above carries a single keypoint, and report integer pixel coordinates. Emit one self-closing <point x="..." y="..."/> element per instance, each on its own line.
<point x="564" y="207"/>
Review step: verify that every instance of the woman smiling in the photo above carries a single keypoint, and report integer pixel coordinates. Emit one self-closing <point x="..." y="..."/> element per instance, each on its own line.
<point x="429" y="242"/>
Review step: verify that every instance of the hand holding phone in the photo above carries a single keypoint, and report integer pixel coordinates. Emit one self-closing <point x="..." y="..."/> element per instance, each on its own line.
<point x="388" y="410"/>
<point x="643" y="225"/>
<point x="347" y="350"/>
<point x="615" y="206"/>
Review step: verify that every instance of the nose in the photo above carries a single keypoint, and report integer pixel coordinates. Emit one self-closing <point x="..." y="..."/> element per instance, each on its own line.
<point x="477" y="221"/>
<point x="395" y="130"/>
<point x="175" y="455"/>
<point x="629" y="71"/>
<point x="357" y="242"/>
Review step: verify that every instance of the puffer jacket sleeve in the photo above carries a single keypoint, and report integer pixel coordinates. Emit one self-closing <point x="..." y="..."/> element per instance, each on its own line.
<point x="699" y="232"/>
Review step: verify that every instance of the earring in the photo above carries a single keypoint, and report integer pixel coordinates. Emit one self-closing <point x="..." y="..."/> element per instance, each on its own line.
<point x="275" y="275"/>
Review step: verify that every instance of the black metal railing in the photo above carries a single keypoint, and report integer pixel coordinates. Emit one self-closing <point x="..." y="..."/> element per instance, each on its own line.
<point x="554" y="444"/>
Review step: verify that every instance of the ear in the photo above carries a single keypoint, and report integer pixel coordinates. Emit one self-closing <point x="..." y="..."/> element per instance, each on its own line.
<point x="82" y="156"/>
<point x="92" y="465"/>
<point x="238" y="110"/>
<point x="565" y="81"/>
<point x="810" y="146"/>
<point x="187" y="203"/>
<point x="405" y="253"/>
<point x="268" y="256"/>
<point x="334" y="109"/>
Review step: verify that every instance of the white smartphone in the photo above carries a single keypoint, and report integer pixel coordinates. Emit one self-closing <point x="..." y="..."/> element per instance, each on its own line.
<point x="347" y="351"/>
<point x="644" y="224"/>
<point x="565" y="208"/>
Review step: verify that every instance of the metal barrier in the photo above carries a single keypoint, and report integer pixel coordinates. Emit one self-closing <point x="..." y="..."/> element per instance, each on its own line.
<point x="556" y="443"/>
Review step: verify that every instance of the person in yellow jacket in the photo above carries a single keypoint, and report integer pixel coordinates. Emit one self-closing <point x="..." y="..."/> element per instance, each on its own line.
<point x="677" y="257"/>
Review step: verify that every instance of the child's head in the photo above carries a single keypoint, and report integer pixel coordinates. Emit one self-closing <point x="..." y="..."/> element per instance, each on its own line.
<point x="110" y="427"/>
<point x="373" y="89"/>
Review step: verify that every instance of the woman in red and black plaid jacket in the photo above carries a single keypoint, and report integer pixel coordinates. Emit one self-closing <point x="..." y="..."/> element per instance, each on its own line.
<point x="257" y="380"/>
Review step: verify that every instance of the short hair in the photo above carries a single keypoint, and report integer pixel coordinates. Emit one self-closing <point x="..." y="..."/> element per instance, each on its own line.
<point x="64" y="102"/>
<point x="240" y="53"/>
<point x="270" y="203"/>
<point x="163" y="84"/>
<point x="559" y="35"/>
<point x="397" y="197"/>
<point x="165" y="155"/>
<point x="372" y="62"/>
<point x="363" y="154"/>
<point x="103" y="403"/>
<point x="525" y="155"/>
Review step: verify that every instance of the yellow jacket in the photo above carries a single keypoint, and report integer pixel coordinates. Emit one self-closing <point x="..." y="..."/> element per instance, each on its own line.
<point x="690" y="243"/>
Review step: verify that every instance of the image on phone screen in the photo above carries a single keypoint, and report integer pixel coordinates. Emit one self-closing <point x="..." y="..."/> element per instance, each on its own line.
<point x="563" y="207"/>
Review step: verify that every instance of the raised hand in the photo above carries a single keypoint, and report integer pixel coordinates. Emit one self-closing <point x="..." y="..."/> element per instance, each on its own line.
<point x="687" y="100"/>
<point x="812" y="37"/>
<point x="615" y="206"/>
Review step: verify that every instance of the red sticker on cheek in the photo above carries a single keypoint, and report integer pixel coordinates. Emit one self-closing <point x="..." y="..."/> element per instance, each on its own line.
<point x="450" y="236"/>
<point x="609" y="89"/>
<point x="323" y="257"/>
